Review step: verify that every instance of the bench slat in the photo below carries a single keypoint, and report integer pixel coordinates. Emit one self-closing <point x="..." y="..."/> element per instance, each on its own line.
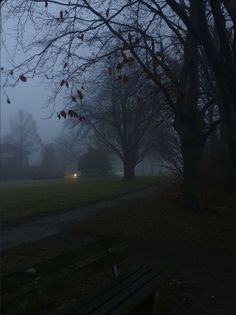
<point x="16" y="280"/>
<point x="115" y="289"/>
<point x="119" y="292"/>
<point x="122" y="296"/>
<point x="75" y="305"/>
<point x="132" y="301"/>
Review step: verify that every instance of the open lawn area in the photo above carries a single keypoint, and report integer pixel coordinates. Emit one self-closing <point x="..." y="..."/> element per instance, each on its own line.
<point x="26" y="199"/>
<point x="201" y="248"/>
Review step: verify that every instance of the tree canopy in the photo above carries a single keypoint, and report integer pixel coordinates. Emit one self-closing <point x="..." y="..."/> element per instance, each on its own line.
<point x="23" y="132"/>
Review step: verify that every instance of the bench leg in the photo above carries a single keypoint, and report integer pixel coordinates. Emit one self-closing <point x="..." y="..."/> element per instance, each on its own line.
<point x="155" y="302"/>
<point x="115" y="270"/>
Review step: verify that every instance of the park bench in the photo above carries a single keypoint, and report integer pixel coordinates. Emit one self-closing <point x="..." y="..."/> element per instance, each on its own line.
<point x="31" y="290"/>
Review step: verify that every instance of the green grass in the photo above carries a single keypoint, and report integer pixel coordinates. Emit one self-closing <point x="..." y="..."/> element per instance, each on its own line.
<point x="62" y="195"/>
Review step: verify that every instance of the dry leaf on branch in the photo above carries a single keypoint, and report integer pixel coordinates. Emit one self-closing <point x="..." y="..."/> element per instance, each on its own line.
<point x="22" y="78"/>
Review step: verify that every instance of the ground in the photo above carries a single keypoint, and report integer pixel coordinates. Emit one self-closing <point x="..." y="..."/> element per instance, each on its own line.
<point x="27" y="198"/>
<point x="199" y="248"/>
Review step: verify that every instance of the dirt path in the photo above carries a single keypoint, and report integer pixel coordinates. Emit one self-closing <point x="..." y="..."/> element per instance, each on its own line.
<point x="47" y="224"/>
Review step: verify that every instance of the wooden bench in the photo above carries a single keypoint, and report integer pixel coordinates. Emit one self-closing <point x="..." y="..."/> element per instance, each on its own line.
<point x="31" y="290"/>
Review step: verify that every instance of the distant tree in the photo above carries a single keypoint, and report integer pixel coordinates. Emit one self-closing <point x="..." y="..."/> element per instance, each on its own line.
<point x="49" y="160"/>
<point x="23" y="133"/>
<point x="120" y="113"/>
<point x="69" y="146"/>
<point x="94" y="163"/>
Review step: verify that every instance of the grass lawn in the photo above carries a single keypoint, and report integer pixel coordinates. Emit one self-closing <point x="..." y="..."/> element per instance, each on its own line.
<point x="61" y="195"/>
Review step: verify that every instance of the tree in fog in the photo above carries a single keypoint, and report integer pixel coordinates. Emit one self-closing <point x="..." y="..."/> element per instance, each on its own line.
<point x="23" y="132"/>
<point x="94" y="163"/>
<point x="68" y="148"/>
<point x="121" y="112"/>
<point x="165" y="150"/>
<point x="49" y="159"/>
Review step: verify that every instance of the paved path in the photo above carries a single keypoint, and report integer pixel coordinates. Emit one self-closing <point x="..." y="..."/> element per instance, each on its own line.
<point x="47" y="224"/>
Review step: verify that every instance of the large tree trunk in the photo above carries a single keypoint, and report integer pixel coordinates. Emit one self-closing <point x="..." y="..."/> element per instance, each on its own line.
<point x="190" y="123"/>
<point x="222" y="62"/>
<point x="228" y="134"/>
<point x="129" y="170"/>
<point x="190" y="127"/>
<point x="192" y="151"/>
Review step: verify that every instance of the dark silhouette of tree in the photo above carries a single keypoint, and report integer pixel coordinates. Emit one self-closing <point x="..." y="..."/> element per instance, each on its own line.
<point x="68" y="148"/>
<point x="94" y="163"/>
<point x="49" y="159"/>
<point x="23" y="133"/>
<point x="215" y="30"/>
<point x="121" y="114"/>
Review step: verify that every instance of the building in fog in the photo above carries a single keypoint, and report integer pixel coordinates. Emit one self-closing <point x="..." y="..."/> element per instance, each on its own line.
<point x="14" y="162"/>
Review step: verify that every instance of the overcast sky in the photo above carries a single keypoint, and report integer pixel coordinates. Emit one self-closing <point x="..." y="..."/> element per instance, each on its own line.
<point x="31" y="96"/>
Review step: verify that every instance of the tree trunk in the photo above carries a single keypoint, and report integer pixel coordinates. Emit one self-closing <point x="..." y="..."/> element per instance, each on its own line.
<point x="228" y="140"/>
<point x="129" y="170"/>
<point x="192" y="151"/>
<point x="190" y="127"/>
<point x="190" y="123"/>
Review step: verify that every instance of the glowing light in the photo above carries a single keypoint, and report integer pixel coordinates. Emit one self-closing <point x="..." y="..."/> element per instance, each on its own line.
<point x="75" y="175"/>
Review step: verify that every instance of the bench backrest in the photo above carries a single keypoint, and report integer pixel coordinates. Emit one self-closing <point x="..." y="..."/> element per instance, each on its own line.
<point x="35" y="286"/>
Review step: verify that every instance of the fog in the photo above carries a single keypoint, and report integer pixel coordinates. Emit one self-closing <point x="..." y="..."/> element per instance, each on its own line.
<point x="32" y="96"/>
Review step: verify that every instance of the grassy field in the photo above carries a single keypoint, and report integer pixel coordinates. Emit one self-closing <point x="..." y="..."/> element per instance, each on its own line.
<point x="25" y="199"/>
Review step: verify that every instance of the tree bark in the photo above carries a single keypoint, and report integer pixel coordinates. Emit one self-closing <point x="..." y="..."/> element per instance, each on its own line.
<point x="228" y="138"/>
<point x="129" y="170"/>
<point x="192" y="151"/>
<point x="191" y="130"/>
<point x="191" y="126"/>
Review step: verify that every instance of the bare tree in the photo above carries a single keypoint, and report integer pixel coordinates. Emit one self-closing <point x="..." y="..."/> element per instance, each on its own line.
<point x="165" y="149"/>
<point x="120" y="114"/>
<point x="69" y="147"/>
<point x="23" y="132"/>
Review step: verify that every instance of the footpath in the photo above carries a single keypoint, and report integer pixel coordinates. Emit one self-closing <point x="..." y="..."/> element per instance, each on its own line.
<point x="40" y="226"/>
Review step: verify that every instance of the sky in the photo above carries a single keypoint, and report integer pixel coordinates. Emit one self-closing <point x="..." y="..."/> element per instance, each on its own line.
<point x="31" y="96"/>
